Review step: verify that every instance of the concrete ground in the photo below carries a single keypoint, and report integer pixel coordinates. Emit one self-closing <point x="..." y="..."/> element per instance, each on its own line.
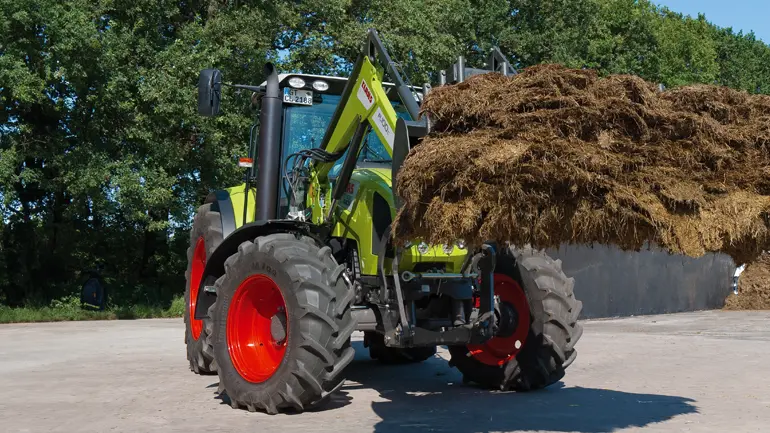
<point x="695" y="372"/>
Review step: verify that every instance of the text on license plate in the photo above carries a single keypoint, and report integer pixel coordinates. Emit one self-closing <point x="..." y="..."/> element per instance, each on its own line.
<point x="297" y="96"/>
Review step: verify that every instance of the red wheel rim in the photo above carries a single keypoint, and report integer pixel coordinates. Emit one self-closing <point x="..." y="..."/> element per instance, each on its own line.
<point x="196" y="273"/>
<point x="253" y="349"/>
<point x="499" y="350"/>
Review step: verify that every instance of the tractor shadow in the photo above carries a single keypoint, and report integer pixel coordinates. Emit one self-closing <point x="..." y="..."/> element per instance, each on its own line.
<point x="336" y="400"/>
<point x="431" y="397"/>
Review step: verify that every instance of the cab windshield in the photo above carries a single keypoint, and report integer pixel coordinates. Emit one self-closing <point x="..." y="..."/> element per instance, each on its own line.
<point x="304" y="128"/>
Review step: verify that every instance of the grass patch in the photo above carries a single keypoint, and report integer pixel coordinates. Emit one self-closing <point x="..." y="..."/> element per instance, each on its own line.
<point x="176" y="309"/>
<point x="69" y="309"/>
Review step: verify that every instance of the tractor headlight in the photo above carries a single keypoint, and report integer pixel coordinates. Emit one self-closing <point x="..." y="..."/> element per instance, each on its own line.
<point x="423" y="248"/>
<point x="448" y="248"/>
<point x="296" y="82"/>
<point x="320" y="85"/>
<point x="461" y="244"/>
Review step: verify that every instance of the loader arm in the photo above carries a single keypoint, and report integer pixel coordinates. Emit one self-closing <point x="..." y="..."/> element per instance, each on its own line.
<point x="364" y="106"/>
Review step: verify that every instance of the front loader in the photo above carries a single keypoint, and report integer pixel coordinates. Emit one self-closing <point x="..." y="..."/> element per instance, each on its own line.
<point x="283" y="268"/>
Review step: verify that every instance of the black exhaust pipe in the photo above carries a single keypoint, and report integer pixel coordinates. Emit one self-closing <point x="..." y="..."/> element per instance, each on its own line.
<point x="269" y="159"/>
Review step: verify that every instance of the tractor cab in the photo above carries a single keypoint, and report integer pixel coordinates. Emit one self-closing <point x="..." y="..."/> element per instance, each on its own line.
<point x="309" y="103"/>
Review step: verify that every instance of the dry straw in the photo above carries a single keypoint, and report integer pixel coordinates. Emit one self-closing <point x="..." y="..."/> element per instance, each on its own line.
<point x="555" y="155"/>
<point x="753" y="287"/>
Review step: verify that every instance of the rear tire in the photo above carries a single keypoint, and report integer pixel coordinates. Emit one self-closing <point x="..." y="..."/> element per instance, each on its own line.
<point x="205" y="237"/>
<point x="549" y="347"/>
<point x="303" y="367"/>
<point x="395" y="355"/>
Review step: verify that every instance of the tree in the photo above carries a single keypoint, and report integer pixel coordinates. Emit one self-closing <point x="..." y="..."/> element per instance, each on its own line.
<point x="742" y="61"/>
<point x="559" y="31"/>
<point x="687" y="50"/>
<point x="627" y="42"/>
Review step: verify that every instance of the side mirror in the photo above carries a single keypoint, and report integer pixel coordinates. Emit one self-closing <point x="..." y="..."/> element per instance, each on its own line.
<point x="209" y="92"/>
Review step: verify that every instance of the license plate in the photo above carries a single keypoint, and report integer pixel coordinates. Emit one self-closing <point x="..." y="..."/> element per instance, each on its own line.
<point x="297" y="96"/>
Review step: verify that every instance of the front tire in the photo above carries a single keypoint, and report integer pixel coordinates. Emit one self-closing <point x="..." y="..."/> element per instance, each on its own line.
<point x="205" y="237"/>
<point x="282" y="324"/>
<point x="542" y="346"/>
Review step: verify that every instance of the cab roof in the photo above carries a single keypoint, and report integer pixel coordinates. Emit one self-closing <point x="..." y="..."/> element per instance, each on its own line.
<point x="337" y="84"/>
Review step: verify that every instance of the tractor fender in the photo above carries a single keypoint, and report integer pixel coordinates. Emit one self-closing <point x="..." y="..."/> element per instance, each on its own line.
<point x="215" y="266"/>
<point x="221" y="202"/>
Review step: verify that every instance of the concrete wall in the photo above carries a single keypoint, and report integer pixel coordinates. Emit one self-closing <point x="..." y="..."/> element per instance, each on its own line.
<point x="612" y="283"/>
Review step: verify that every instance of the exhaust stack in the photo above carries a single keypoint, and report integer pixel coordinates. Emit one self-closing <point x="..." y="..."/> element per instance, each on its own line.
<point x="269" y="159"/>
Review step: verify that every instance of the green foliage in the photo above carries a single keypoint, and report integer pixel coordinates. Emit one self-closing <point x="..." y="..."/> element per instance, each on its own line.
<point x="48" y="314"/>
<point x="69" y="308"/>
<point x="687" y="51"/>
<point x="558" y="31"/>
<point x="627" y="41"/>
<point x="103" y="157"/>
<point x="744" y="61"/>
<point x="67" y="303"/>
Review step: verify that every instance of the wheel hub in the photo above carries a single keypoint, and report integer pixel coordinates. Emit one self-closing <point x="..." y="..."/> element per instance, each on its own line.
<point x="512" y="315"/>
<point x="507" y="319"/>
<point x="278" y="327"/>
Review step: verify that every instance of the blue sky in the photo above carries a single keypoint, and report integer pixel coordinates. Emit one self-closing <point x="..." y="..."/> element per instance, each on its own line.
<point x="743" y="15"/>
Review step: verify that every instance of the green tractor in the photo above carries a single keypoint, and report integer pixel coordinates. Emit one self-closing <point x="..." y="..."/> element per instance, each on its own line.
<point x="283" y="268"/>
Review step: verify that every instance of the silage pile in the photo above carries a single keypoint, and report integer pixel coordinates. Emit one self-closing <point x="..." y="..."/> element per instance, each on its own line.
<point x="753" y="287"/>
<point x="554" y="155"/>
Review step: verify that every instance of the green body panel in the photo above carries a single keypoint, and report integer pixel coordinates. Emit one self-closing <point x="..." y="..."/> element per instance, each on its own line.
<point x="355" y="221"/>
<point x="236" y="197"/>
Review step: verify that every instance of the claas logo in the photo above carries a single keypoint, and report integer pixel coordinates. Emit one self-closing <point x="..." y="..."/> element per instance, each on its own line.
<point x="366" y="91"/>
<point x="350" y="189"/>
